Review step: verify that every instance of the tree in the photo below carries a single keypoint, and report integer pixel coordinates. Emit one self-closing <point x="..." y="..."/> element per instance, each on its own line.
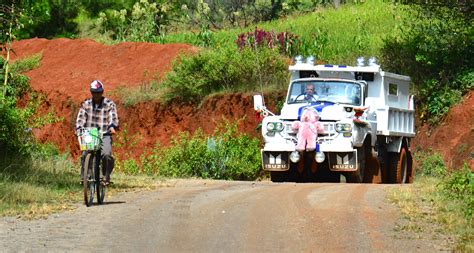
<point x="434" y="47"/>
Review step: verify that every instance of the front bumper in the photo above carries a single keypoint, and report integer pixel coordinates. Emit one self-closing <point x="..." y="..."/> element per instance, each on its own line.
<point x="338" y="161"/>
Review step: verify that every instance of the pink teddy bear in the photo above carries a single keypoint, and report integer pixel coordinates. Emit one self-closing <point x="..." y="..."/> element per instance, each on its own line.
<point x="308" y="129"/>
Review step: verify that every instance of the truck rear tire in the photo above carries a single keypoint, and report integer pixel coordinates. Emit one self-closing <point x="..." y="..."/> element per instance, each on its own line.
<point x="410" y="168"/>
<point x="383" y="159"/>
<point x="398" y="166"/>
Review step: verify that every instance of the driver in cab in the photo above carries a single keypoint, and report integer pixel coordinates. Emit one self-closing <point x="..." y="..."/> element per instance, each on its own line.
<point x="310" y="95"/>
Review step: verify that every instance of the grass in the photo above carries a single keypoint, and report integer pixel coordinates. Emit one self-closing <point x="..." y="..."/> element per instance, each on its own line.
<point x="36" y="187"/>
<point x="146" y="92"/>
<point x="27" y="63"/>
<point x="433" y="206"/>
<point x="335" y="36"/>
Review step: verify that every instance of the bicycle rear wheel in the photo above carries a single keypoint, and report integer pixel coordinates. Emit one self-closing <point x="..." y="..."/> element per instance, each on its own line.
<point x="100" y="186"/>
<point x="88" y="179"/>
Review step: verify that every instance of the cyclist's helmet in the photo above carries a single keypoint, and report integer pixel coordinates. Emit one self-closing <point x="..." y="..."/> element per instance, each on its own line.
<point x="97" y="86"/>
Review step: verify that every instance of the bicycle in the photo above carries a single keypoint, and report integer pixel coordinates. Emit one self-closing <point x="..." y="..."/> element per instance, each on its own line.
<point x="92" y="170"/>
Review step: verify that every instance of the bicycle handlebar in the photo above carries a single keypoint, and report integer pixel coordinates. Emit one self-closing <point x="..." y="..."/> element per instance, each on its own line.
<point x="79" y="131"/>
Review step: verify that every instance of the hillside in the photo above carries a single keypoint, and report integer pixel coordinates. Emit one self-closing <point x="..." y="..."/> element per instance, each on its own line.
<point x="68" y="66"/>
<point x="454" y="137"/>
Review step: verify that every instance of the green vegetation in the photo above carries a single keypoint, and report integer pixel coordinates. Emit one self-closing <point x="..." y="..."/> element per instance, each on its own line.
<point x="227" y="154"/>
<point x="135" y="25"/>
<point x="47" y="18"/>
<point x="27" y="184"/>
<point x="430" y="44"/>
<point x="333" y="36"/>
<point x="440" y="201"/>
<point x="14" y="121"/>
<point x="27" y="64"/>
<point x="434" y="46"/>
<point x="226" y="69"/>
<point x="146" y="92"/>
<point x="29" y="176"/>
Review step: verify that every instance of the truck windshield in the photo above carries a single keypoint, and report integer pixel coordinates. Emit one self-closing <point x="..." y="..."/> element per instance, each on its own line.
<point x="330" y="91"/>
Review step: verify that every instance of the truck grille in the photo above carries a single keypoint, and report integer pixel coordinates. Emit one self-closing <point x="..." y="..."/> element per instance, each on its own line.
<point x="329" y="130"/>
<point x="290" y="130"/>
<point x="329" y="127"/>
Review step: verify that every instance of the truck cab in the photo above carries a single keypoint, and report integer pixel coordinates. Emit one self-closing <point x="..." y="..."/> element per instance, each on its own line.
<point x="367" y="117"/>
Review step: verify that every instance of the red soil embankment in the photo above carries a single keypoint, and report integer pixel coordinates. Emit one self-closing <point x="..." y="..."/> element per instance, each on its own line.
<point x="453" y="137"/>
<point x="68" y="66"/>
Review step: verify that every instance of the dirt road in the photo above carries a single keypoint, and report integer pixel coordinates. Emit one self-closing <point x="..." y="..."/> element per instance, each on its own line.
<point x="219" y="216"/>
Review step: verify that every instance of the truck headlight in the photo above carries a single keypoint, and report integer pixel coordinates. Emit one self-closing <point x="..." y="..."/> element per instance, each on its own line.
<point x="343" y="127"/>
<point x="275" y="126"/>
<point x="270" y="126"/>
<point x="320" y="157"/>
<point x="295" y="156"/>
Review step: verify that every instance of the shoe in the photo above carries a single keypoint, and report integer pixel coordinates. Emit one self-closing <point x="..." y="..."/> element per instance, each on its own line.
<point x="105" y="182"/>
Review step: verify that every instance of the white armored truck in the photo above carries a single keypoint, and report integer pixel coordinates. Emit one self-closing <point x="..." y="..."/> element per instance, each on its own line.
<point x="367" y="121"/>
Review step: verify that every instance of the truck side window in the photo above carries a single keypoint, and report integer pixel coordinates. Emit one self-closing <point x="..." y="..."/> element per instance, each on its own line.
<point x="356" y="95"/>
<point x="393" y="89"/>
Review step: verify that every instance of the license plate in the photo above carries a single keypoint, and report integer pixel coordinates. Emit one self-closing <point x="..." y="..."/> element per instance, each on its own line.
<point x="343" y="161"/>
<point x="275" y="161"/>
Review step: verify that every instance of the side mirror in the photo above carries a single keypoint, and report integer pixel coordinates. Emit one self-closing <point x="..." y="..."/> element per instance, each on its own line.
<point x="257" y="102"/>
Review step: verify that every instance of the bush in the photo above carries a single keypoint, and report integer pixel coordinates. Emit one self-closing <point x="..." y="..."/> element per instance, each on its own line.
<point x="137" y="24"/>
<point x="232" y="155"/>
<point x="12" y="130"/>
<point x="128" y="166"/>
<point x="186" y="157"/>
<point x="460" y="185"/>
<point x="431" y="164"/>
<point x="438" y="100"/>
<point x="226" y="155"/>
<point x="227" y="69"/>
<point x="14" y="134"/>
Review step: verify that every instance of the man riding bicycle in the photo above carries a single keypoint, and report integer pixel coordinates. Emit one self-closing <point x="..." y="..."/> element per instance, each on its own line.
<point x="99" y="112"/>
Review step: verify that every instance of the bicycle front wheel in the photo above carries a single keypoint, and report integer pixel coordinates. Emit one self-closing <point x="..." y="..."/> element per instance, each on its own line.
<point x="88" y="179"/>
<point x="100" y="178"/>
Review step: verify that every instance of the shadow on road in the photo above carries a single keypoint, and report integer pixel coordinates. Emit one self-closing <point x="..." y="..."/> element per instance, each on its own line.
<point x="110" y="203"/>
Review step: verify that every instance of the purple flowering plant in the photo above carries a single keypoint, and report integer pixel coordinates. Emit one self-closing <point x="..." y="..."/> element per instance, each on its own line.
<point x="286" y="42"/>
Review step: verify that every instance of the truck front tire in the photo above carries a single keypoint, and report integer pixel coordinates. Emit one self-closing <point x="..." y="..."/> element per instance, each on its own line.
<point x="358" y="176"/>
<point x="279" y="176"/>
